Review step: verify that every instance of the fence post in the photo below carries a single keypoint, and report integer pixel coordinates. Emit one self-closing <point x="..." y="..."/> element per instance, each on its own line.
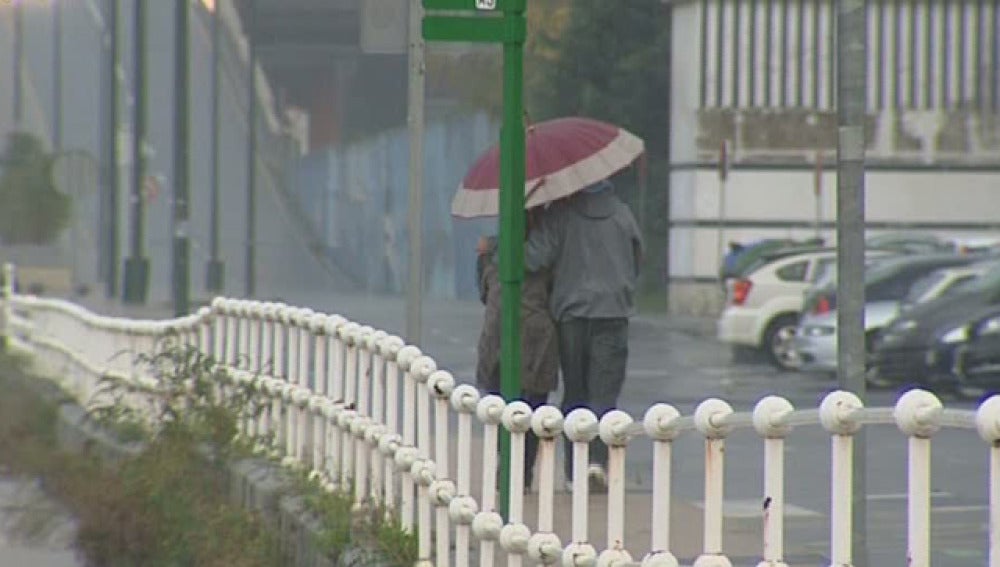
<point x="441" y="384"/>
<point x="545" y="546"/>
<point x="614" y="431"/>
<point x="515" y="535"/>
<point x="988" y="425"/>
<point x="463" y="507"/>
<point x="770" y="417"/>
<point x="389" y="347"/>
<point x="407" y="355"/>
<point x="918" y="415"/>
<point x="838" y="415"/>
<point x="320" y="343"/>
<point x="420" y="371"/>
<point x="581" y="428"/>
<point x="660" y="423"/>
<point x="710" y="420"/>
<point x="487" y="524"/>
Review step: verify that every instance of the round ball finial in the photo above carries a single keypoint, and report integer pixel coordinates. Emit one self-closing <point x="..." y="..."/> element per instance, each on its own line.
<point x="422" y="368"/>
<point x="918" y="413"/>
<point x="547" y="422"/>
<point x="660" y="422"/>
<point x="490" y="410"/>
<point x="837" y="412"/>
<point x="709" y="418"/>
<point x="614" y="428"/>
<point x="988" y="419"/>
<point x="441" y="384"/>
<point x="465" y="398"/>
<point x="406" y="356"/>
<point x="579" y="555"/>
<point x="517" y="417"/>
<point x="770" y="417"/>
<point x="581" y="426"/>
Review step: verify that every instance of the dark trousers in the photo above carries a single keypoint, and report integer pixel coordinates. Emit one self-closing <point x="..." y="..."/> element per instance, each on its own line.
<point x="593" y="354"/>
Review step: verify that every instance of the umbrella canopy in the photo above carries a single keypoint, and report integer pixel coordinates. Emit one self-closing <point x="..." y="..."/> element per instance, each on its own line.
<point x="562" y="156"/>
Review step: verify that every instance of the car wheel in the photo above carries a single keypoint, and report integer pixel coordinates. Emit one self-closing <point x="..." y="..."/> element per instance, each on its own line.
<point x="779" y="343"/>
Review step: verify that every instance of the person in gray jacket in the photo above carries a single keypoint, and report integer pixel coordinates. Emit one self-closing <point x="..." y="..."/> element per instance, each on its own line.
<point x="592" y="245"/>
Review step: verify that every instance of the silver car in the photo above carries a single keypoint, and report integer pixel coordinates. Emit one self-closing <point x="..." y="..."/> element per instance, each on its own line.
<point x="816" y="336"/>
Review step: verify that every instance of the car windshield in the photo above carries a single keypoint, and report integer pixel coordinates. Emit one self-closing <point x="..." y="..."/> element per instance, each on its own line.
<point x="923" y="285"/>
<point x="987" y="281"/>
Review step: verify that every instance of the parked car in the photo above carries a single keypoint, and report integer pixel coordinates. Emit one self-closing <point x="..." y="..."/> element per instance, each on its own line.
<point x="918" y="347"/>
<point x="763" y="307"/>
<point x="816" y="336"/>
<point x="909" y="243"/>
<point x="976" y="360"/>
<point x="743" y="258"/>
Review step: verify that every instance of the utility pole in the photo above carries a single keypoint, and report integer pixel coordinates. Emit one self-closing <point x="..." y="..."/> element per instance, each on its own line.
<point x="137" y="266"/>
<point x="852" y="25"/>
<point x="57" y="106"/>
<point x="18" y="66"/>
<point x="112" y="172"/>
<point x="251" y="236"/>
<point x="415" y="214"/>
<point x="215" y="271"/>
<point x="182" y="147"/>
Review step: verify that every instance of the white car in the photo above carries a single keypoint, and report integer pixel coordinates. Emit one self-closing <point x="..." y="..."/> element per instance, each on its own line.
<point x="762" y="309"/>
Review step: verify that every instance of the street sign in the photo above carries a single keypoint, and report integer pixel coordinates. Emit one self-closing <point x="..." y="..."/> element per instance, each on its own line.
<point x="480" y="30"/>
<point x="482" y="5"/>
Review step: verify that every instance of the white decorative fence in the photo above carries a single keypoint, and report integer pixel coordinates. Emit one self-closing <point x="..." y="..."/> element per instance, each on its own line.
<point x="354" y="405"/>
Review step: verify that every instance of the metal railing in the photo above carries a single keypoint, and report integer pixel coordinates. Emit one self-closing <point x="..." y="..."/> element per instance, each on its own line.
<point x="361" y="410"/>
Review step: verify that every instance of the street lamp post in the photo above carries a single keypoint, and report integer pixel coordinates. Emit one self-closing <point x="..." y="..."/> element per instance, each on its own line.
<point x="251" y="220"/>
<point x="181" y="246"/>
<point x="110" y="140"/>
<point x="215" y="270"/>
<point x="136" y="265"/>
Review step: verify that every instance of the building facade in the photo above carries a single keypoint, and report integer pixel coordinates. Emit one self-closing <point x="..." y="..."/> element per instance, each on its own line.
<point x="758" y="77"/>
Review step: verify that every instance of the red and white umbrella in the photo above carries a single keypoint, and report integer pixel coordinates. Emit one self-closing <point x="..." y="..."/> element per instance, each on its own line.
<point x="562" y="156"/>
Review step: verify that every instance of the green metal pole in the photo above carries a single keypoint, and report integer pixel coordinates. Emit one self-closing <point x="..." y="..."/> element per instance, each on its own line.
<point x="182" y="147"/>
<point x="512" y="223"/>
<point x="215" y="270"/>
<point x="57" y="127"/>
<point x="251" y="235"/>
<point x="111" y="142"/>
<point x="137" y="266"/>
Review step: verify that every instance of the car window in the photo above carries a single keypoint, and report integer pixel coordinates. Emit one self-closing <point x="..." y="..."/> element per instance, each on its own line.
<point x="958" y="284"/>
<point x="826" y="269"/>
<point x="923" y="285"/>
<point x="793" y="272"/>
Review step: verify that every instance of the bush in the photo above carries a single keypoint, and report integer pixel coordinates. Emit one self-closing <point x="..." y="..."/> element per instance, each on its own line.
<point x="33" y="211"/>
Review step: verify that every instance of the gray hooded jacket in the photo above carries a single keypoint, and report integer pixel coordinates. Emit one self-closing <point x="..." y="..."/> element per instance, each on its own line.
<point x="592" y="244"/>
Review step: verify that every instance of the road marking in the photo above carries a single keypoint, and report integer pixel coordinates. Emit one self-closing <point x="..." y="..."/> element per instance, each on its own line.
<point x="959" y="509"/>
<point x="901" y="496"/>
<point x="751" y="508"/>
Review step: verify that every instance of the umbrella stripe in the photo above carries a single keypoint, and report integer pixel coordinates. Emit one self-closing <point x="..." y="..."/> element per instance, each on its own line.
<point x="615" y="156"/>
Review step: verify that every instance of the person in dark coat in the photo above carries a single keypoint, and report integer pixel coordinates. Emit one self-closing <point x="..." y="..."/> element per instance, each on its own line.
<point x="539" y="343"/>
<point x="592" y="245"/>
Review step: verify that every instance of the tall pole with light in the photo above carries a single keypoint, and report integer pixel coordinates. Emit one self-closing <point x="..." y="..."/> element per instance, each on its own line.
<point x="181" y="268"/>
<point x="250" y="277"/>
<point x="110" y="141"/>
<point x="136" y="265"/>
<point x="215" y="270"/>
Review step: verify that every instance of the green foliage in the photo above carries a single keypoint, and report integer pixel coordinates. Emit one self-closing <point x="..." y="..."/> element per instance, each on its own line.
<point x="32" y="211"/>
<point x="372" y="528"/>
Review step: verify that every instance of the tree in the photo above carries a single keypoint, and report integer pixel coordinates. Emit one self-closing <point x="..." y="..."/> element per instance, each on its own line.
<point x="32" y="211"/>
